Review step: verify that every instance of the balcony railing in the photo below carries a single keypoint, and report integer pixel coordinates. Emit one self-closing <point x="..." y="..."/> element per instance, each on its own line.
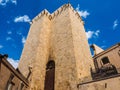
<point x="104" y="71"/>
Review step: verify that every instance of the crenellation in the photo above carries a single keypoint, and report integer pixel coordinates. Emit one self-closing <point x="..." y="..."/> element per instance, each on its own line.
<point x="50" y="17"/>
<point x="78" y="15"/>
<point x="36" y="18"/>
<point x="65" y="7"/>
<point x="53" y="15"/>
<point x="56" y="13"/>
<point x="61" y="9"/>
<point x="44" y="12"/>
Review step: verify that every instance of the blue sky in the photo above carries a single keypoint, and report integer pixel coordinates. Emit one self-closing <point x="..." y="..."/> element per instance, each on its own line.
<point x="101" y="17"/>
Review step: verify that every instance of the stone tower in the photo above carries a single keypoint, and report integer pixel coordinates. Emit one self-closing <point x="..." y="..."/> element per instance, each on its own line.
<point x="57" y="51"/>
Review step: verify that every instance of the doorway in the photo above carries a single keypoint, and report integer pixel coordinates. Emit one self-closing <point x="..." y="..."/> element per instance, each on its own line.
<point x="50" y="75"/>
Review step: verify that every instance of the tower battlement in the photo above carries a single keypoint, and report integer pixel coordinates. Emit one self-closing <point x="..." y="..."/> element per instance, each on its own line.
<point x="56" y="13"/>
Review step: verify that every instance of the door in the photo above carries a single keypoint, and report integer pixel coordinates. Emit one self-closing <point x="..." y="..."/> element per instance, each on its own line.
<point x="50" y="76"/>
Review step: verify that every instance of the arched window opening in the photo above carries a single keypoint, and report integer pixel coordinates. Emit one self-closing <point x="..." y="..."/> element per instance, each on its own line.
<point x="50" y="75"/>
<point x="105" y="60"/>
<point x="50" y="65"/>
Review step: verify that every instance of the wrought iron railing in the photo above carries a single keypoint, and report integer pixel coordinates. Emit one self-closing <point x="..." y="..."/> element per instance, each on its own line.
<point x="104" y="71"/>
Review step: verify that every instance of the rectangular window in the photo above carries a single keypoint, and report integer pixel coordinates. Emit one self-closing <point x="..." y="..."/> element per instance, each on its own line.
<point x="105" y="60"/>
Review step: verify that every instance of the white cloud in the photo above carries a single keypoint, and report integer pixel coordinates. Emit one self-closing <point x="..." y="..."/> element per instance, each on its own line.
<point x="4" y="2"/>
<point x="91" y="34"/>
<point x="115" y="24"/>
<point x="9" y="32"/>
<point x="13" y="62"/>
<point x="1" y="46"/>
<point x="97" y="32"/>
<point x="82" y="13"/>
<point x="24" y="18"/>
<point x="23" y="40"/>
<point x="14" y="1"/>
<point x="103" y="46"/>
<point x="8" y="38"/>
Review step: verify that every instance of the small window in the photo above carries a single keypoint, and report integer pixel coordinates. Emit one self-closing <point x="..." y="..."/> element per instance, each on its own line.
<point x="105" y="60"/>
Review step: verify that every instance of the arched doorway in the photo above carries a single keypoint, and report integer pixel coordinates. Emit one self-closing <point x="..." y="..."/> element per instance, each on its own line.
<point x="50" y="75"/>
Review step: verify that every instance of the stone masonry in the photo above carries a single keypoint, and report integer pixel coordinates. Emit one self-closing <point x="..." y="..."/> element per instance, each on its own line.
<point x="60" y="37"/>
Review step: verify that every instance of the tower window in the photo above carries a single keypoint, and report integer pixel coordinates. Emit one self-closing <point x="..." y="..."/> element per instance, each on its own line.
<point x="105" y="60"/>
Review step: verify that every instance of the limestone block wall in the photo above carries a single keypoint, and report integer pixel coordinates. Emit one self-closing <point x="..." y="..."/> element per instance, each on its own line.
<point x="106" y="84"/>
<point x="37" y="44"/>
<point x="63" y="50"/>
<point x="81" y="47"/>
<point x="42" y="55"/>
<point x="36" y="51"/>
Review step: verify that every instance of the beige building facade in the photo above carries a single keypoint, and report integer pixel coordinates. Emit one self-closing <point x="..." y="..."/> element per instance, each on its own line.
<point x="11" y="78"/>
<point x="106" y="75"/>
